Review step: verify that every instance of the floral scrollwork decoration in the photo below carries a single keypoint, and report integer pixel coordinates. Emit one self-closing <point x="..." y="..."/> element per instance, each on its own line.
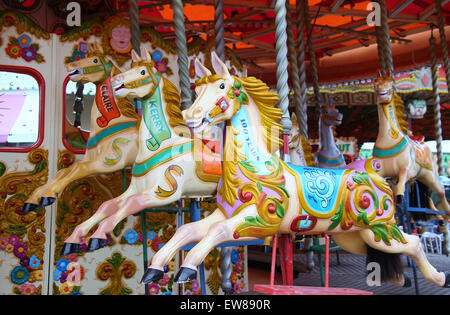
<point x="115" y="269"/>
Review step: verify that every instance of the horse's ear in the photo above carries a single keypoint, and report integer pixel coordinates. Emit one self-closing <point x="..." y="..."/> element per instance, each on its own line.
<point x="98" y="47"/>
<point x="294" y="120"/>
<point x="219" y="66"/>
<point x="145" y="55"/>
<point x="200" y="69"/>
<point x="135" y="56"/>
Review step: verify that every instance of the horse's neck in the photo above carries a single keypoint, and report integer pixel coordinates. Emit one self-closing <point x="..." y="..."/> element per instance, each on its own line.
<point x="388" y="127"/>
<point x="95" y="113"/>
<point x="247" y="122"/>
<point x="155" y="132"/>
<point x="327" y="142"/>
<point x="297" y="155"/>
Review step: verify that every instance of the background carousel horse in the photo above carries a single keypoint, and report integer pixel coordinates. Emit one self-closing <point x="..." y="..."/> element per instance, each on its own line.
<point x="328" y="155"/>
<point x="112" y="143"/>
<point x="260" y="195"/>
<point x="401" y="157"/>
<point x="170" y="164"/>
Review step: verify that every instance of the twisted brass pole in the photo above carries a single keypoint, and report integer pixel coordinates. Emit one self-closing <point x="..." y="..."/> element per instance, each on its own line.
<point x="301" y="106"/>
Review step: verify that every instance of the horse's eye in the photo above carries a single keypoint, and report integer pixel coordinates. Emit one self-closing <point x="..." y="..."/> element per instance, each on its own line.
<point x="222" y="86"/>
<point x="143" y="72"/>
<point x="95" y="61"/>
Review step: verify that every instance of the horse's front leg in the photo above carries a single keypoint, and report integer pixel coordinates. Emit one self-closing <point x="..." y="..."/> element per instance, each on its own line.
<point x="219" y="232"/>
<point x="185" y="235"/>
<point x="400" y="190"/>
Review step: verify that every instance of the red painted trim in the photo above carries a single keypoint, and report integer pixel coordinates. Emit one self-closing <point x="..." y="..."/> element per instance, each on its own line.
<point x="41" y="82"/>
<point x="64" y="140"/>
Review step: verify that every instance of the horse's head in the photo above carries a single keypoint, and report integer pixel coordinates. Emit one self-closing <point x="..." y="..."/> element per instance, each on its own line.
<point x="384" y="88"/>
<point x="294" y="134"/>
<point x="140" y="81"/>
<point x="214" y="96"/>
<point x="331" y="115"/>
<point x="94" y="68"/>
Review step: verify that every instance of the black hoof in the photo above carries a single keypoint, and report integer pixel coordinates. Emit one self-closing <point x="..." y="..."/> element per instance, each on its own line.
<point x="185" y="275"/>
<point x="447" y="280"/>
<point x="28" y="207"/>
<point x="151" y="275"/>
<point x="96" y="243"/>
<point x="46" y="201"/>
<point x="70" y="248"/>
<point x="408" y="282"/>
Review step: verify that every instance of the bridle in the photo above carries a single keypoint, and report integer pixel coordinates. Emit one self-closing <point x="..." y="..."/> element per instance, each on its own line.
<point x="151" y="78"/>
<point x="105" y="66"/>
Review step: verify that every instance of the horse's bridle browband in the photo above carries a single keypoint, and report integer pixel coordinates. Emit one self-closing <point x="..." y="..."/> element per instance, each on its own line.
<point x="106" y="66"/>
<point x="152" y="77"/>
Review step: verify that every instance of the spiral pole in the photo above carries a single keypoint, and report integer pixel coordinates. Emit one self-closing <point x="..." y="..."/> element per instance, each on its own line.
<point x="312" y="58"/>
<point x="134" y="26"/>
<point x="381" y="60"/>
<point x="219" y="29"/>
<point x="282" y="64"/>
<point x="436" y="105"/>
<point x="386" y="37"/>
<point x="301" y="106"/>
<point x="182" y="61"/>
<point x="443" y="41"/>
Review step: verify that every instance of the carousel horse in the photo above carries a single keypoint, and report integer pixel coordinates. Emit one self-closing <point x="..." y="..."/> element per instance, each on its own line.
<point x="259" y="195"/>
<point x="402" y="158"/>
<point x="328" y="155"/>
<point x="170" y="164"/>
<point x="113" y="139"/>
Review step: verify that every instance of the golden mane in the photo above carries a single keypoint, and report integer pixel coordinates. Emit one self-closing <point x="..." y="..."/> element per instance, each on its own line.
<point x="173" y="110"/>
<point x="400" y="113"/>
<point x="270" y="115"/>
<point x="307" y="152"/>
<point x="126" y="107"/>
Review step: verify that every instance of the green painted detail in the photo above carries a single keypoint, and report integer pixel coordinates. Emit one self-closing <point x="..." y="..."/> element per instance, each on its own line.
<point x="336" y="219"/>
<point x="155" y="121"/>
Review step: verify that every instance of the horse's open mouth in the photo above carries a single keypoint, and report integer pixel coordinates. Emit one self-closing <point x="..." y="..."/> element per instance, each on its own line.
<point x="198" y="126"/>
<point x="75" y="73"/>
<point x="119" y="88"/>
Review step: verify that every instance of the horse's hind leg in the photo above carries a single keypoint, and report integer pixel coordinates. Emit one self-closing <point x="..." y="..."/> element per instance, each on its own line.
<point x="186" y="234"/>
<point x="412" y="249"/>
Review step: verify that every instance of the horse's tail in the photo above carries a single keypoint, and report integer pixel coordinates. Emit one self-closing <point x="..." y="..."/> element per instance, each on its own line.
<point x="391" y="267"/>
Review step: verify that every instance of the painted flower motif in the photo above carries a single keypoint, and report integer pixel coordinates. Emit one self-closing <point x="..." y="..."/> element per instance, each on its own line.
<point x="37" y="275"/>
<point x="62" y="264"/>
<point x="171" y="266"/>
<point x="131" y="236"/>
<point x="238" y="267"/>
<point x="20" y="250"/>
<point x="83" y="48"/>
<point x="9" y="248"/>
<point x="57" y="275"/>
<point x="187" y="292"/>
<point x="234" y="256"/>
<point x="155" y="243"/>
<point x="72" y="257"/>
<point x="25" y="261"/>
<point x="29" y="53"/>
<point x="153" y="289"/>
<point x="161" y="66"/>
<point x="27" y="289"/>
<point x="164" y="281"/>
<point x="167" y="293"/>
<point x="156" y="55"/>
<point x="76" y="55"/>
<point x="239" y="286"/>
<point x="66" y="288"/>
<point x="13" y="50"/>
<point x="151" y="235"/>
<point x="3" y="243"/>
<point x="195" y="285"/>
<point x="238" y="93"/>
<point x="34" y="262"/>
<point x="20" y="275"/>
<point x="76" y="293"/>
<point x="13" y="240"/>
<point x="24" y="41"/>
<point x="233" y="277"/>
<point x="63" y="277"/>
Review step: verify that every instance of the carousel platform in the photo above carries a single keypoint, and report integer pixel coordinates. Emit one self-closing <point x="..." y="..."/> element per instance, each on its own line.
<point x="351" y="273"/>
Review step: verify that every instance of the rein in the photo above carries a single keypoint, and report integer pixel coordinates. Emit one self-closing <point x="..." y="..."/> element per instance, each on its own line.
<point x="152" y="78"/>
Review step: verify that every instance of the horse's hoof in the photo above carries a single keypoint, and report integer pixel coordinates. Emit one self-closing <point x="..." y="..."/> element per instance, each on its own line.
<point x="185" y="275"/>
<point x="95" y="243"/>
<point x="28" y="207"/>
<point x="407" y="283"/>
<point x="447" y="280"/>
<point x="46" y="201"/>
<point x="70" y="248"/>
<point x="400" y="203"/>
<point x="151" y="275"/>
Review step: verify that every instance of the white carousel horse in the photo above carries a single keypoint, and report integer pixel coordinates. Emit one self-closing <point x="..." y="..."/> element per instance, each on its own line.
<point x="113" y="139"/>
<point x="260" y="195"/>
<point x="170" y="164"/>
<point x="328" y="155"/>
